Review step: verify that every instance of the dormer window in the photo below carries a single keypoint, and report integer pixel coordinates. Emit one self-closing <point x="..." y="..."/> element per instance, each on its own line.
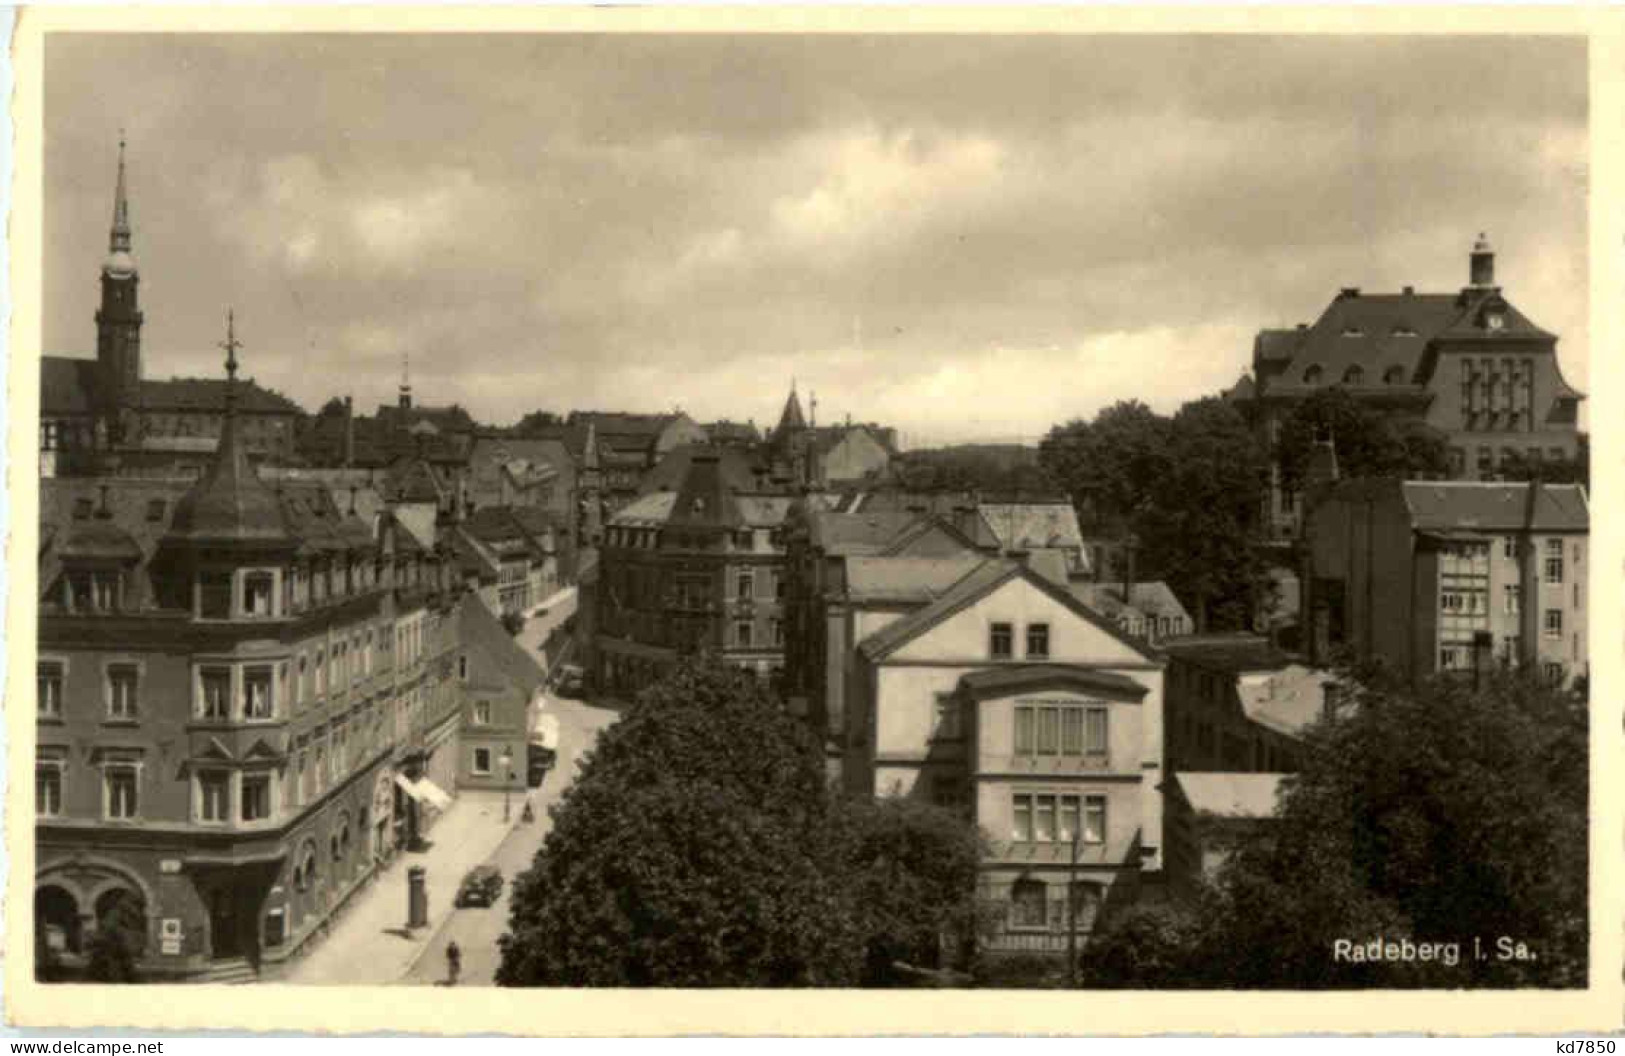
<point x="257" y="587"/>
<point x="1394" y="376"/>
<point x="1494" y="319"/>
<point x="1312" y="375"/>
<point x="1354" y="376"/>
<point x="1403" y="330"/>
<point x="1353" y="331"/>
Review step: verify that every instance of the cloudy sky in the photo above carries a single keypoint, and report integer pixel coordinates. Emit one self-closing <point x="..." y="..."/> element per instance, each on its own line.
<point x="969" y="238"/>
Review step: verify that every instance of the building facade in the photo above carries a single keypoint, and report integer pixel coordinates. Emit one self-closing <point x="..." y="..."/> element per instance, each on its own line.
<point x="1434" y="577"/>
<point x="1237" y="704"/>
<point x="1006" y="698"/>
<point x="1468" y="364"/>
<point x="235" y="684"/>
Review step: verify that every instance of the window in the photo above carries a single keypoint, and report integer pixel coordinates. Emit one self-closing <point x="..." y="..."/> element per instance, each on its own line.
<point x="949" y="791"/>
<point x="214" y="595"/>
<point x="120" y="795"/>
<point x="946" y="724"/>
<point x="1394" y="375"/>
<point x="82" y="509"/>
<point x="1354" y="376"/>
<point x="214" y="695"/>
<point x="1554" y="560"/>
<point x="257" y="594"/>
<point x="1044" y="818"/>
<point x="1512" y="601"/>
<point x="482" y="760"/>
<point x="1312" y="375"/>
<point x="462" y="668"/>
<point x="122" y="683"/>
<point x="742" y="634"/>
<point x="1553" y="672"/>
<point x="1037" y="641"/>
<point x="1068" y="731"/>
<point x="1509" y="546"/>
<point x="213" y="795"/>
<point x="256" y="797"/>
<point x="1554" y="623"/>
<point x="482" y="713"/>
<point x="1486" y="461"/>
<point x="1027" y="904"/>
<point x="747" y="585"/>
<point x="48" y="683"/>
<point x="1000" y="645"/>
<point x="257" y="699"/>
<point x="47" y="789"/>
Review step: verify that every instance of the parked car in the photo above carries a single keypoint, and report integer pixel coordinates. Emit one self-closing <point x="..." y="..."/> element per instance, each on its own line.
<point x="481" y="887"/>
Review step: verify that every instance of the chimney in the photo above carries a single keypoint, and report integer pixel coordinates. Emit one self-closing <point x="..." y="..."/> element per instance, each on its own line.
<point x="349" y="431"/>
<point x="1130" y="545"/>
<point x="1349" y="292"/>
<point x="1410" y="291"/>
<point x="1482" y="263"/>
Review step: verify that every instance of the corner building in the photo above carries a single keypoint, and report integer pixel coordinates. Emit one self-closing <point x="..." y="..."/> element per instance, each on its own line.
<point x="244" y="698"/>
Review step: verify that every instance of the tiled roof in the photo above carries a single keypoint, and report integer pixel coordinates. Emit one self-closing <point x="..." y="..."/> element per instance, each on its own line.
<point x="67" y="385"/>
<point x="502" y="657"/>
<point x="980" y="580"/>
<point x="1150" y="597"/>
<point x="913" y="580"/>
<point x="209" y="394"/>
<point x="1231" y="795"/>
<point x="739" y="469"/>
<point x="763" y="511"/>
<point x="140" y="510"/>
<point x="1287" y="701"/>
<point x="1375" y="332"/>
<point x="1031" y="526"/>
<point x="648" y="510"/>
<point x="856" y="533"/>
<point x="1495" y="506"/>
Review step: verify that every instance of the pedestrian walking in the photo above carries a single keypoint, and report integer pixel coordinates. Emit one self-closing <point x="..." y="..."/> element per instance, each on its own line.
<point x="454" y="962"/>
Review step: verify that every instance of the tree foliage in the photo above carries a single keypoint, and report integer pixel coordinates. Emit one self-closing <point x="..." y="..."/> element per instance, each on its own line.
<point x="1436" y="814"/>
<point x="1187" y="487"/>
<point x="116" y="945"/>
<point x="1147" y="946"/>
<point x="1369" y="443"/>
<point x="991" y="469"/>
<point x="536" y="420"/>
<point x="1571" y="471"/>
<point x="700" y="846"/>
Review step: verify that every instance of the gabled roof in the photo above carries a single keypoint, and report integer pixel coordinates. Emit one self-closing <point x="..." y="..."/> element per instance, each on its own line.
<point x="1033" y="526"/>
<point x="905" y="580"/>
<point x="1231" y="795"/>
<point x="1495" y="506"/>
<point x="501" y="658"/>
<point x="982" y="580"/>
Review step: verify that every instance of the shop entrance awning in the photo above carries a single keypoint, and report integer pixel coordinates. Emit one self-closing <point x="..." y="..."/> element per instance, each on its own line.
<point x="546" y="732"/>
<point x="424" y="791"/>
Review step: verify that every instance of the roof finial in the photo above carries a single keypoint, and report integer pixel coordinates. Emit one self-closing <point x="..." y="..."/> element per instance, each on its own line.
<point x="119" y="242"/>
<point x="231" y="345"/>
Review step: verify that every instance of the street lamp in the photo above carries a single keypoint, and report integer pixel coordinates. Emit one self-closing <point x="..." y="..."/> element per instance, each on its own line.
<point x="507" y="787"/>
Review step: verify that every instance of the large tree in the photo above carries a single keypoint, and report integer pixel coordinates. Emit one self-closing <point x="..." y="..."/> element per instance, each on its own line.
<point x="701" y="846"/>
<point x="1198" y="528"/>
<point x="1109" y="465"/>
<point x="1439" y="814"/>
<point x="1368" y="442"/>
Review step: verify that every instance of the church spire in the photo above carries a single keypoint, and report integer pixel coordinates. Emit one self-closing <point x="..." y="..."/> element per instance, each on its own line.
<point x="120" y="240"/>
<point x="120" y="265"/>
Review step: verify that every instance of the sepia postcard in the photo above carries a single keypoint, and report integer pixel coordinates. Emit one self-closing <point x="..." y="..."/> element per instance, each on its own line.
<point x="807" y="521"/>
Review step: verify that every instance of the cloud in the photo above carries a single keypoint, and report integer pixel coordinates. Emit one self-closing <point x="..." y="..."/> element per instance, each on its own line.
<point x="961" y="236"/>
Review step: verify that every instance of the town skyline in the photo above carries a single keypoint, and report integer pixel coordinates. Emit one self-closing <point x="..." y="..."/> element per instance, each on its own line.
<point x="938" y="231"/>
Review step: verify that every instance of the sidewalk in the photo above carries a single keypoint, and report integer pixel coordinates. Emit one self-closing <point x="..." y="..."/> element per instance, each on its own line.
<point x="370" y="946"/>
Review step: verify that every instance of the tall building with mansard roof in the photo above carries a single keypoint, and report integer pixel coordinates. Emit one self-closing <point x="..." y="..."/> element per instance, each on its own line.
<point x="1468" y="363"/>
